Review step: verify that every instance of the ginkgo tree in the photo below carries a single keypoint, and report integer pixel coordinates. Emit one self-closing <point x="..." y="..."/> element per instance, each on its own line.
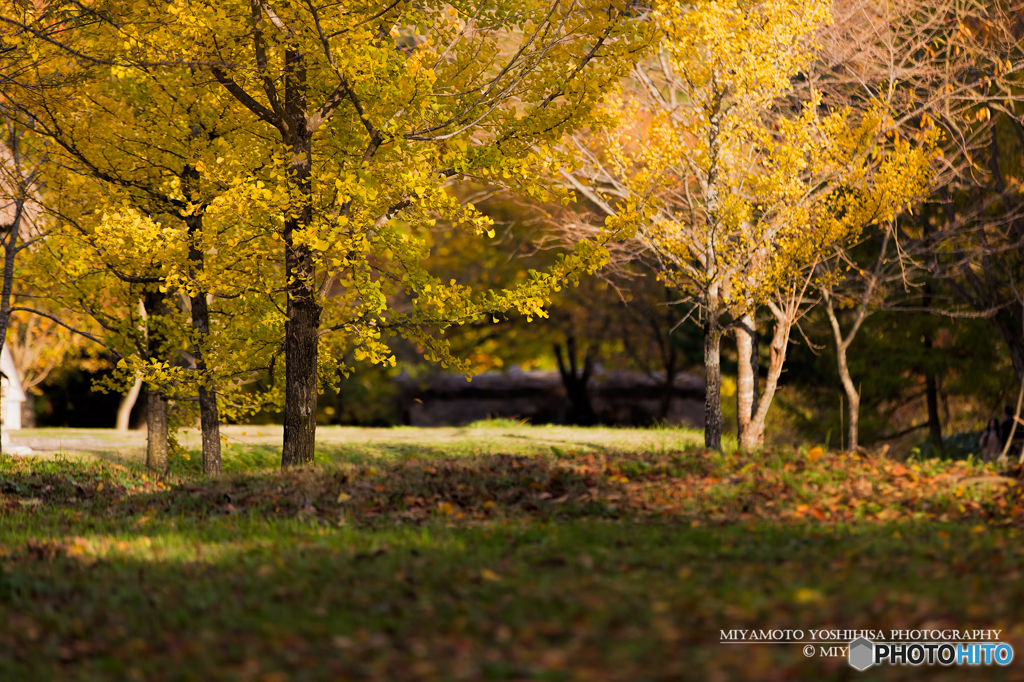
<point x="736" y="185"/>
<point x="368" y="112"/>
<point x="144" y="255"/>
<point x="362" y="117"/>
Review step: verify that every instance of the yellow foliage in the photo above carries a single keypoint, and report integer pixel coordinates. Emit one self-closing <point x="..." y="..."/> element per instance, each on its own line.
<point x="735" y="180"/>
<point x="189" y="164"/>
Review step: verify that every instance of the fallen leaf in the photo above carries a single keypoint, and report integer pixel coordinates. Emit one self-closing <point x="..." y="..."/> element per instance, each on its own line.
<point x="806" y="595"/>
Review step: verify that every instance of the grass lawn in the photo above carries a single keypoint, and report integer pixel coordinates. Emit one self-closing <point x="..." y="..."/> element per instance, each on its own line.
<point x="249" y="448"/>
<point x="498" y="552"/>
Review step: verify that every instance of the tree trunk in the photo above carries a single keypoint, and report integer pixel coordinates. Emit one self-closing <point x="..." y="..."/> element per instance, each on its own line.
<point x="156" y="405"/>
<point x="934" y="425"/>
<point x="712" y="325"/>
<point x="746" y="376"/>
<point x="124" y="410"/>
<point x="209" y="422"/>
<point x="10" y="243"/>
<point x="852" y="397"/>
<point x="712" y="381"/>
<point x="156" y="431"/>
<point x="209" y="418"/>
<point x="300" y="382"/>
<point x="842" y="344"/>
<point x="753" y="437"/>
<point x="581" y="412"/>
<point x="1013" y="339"/>
<point x="931" y="387"/>
<point x="300" y="343"/>
<point x="302" y="327"/>
<point x="931" y="384"/>
<point x="670" y="382"/>
<point x="28" y="412"/>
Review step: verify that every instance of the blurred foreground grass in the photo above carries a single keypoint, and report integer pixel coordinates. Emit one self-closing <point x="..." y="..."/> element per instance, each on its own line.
<point x="567" y="561"/>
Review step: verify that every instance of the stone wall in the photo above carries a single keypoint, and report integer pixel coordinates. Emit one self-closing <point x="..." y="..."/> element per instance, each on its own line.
<point x="618" y="398"/>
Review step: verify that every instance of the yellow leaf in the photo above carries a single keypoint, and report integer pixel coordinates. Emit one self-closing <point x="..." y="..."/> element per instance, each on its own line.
<point x="488" y="574"/>
<point x="344" y="497"/>
<point x="806" y="595"/>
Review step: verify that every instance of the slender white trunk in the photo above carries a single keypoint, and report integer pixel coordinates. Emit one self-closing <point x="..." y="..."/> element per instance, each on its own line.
<point x="753" y="437"/>
<point x="842" y="344"/>
<point x="746" y="376"/>
<point x="124" y="410"/>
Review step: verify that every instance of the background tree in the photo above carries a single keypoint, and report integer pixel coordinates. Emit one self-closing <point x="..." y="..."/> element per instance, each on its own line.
<point x="956" y="66"/>
<point x="738" y="186"/>
<point x="21" y="216"/>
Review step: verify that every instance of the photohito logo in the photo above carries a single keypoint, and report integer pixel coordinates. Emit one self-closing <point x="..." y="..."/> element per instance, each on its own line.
<point x="864" y="653"/>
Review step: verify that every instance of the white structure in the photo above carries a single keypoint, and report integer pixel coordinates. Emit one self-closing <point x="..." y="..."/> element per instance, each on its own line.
<point x="11" y="393"/>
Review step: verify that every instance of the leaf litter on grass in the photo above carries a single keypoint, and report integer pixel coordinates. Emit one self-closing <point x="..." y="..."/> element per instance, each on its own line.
<point x="781" y="486"/>
<point x="607" y="565"/>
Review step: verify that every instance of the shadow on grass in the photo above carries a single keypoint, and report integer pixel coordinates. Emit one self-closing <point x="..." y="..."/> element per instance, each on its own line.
<point x="491" y="567"/>
<point x="263" y="598"/>
<point x="363" y="490"/>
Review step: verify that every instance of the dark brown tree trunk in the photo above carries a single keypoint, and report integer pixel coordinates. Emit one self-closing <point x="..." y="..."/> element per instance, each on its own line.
<point x="209" y="417"/>
<point x="670" y="380"/>
<point x="931" y="384"/>
<point x="712" y="380"/>
<point x="581" y="411"/>
<point x="303" y="311"/>
<point x="1005" y="324"/>
<point x="156" y="402"/>
<point x="932" y="396"/>
<point x="989" y="288"/>
<point x="300" y="351"/>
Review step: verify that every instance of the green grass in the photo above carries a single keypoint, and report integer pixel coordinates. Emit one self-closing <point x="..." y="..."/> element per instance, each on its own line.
<point x="583" y="562"/>
<point x="249" y="448"/>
